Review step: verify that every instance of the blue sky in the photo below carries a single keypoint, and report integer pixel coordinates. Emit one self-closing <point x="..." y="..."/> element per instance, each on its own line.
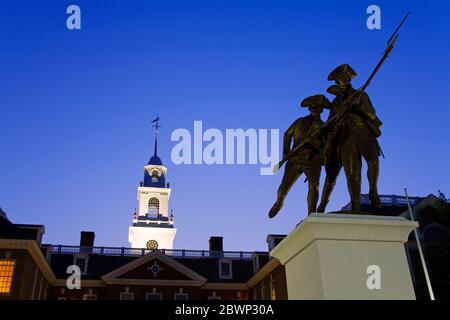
<point x="76" y="106"/>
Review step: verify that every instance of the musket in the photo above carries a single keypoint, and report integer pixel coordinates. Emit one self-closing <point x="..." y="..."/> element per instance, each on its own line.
<point x="338" y="116"/>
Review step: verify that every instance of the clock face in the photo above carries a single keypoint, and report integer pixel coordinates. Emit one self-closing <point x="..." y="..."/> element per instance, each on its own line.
<point x="152" y="244"/>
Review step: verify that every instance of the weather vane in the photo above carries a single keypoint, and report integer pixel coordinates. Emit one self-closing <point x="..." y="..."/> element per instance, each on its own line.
<point x="155" y="123"/>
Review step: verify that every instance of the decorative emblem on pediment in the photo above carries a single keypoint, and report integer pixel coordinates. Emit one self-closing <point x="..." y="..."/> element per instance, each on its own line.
<point x="155" y="268"/>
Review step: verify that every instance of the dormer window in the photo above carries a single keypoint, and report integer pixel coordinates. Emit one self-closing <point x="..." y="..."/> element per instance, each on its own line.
<point x="81" y="260"/>
<point x="155" y="176"/>
<point x="81" y="263"/>
<point x="225" y="269"/>
<point x="153" y="207"/>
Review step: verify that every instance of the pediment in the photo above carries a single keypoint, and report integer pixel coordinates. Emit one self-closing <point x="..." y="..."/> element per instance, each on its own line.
<point x="154" y="266"/>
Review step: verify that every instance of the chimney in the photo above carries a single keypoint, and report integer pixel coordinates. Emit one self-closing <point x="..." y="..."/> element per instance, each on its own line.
<point x="87" y="239"/>
<point x="216" y="244"/>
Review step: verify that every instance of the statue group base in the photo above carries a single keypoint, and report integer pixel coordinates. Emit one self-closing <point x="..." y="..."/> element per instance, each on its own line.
<point x="336" y="256"/>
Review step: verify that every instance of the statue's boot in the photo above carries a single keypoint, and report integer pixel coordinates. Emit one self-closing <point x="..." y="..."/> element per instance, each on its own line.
<point x="275" y="209"/>
<point x="375" y="199"/>
<point x="356" y="206"/>
<point x="321" y="207"/>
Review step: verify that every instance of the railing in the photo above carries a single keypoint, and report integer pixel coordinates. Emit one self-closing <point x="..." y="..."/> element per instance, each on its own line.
<point x="386" y="200"/>
<point x="393" y="200"/>
<point x="122" y="251"/>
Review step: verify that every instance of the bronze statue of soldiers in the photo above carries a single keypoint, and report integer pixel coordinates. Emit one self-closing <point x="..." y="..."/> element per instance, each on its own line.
<point x="306" y="159"/>
<point x="352" y="137"/>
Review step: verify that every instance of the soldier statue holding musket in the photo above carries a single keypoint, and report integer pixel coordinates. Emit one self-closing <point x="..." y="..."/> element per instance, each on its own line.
<point x="305" y="160"/>
<point x="349" y="134"/>
<point x="352" y="137"/>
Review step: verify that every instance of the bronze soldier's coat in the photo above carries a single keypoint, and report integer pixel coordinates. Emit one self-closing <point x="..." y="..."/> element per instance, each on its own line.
<point x="349" y="139"/>
<point x="306" y="159"/>
<point x="360" y="125"/>
<point x="298" y="130"/>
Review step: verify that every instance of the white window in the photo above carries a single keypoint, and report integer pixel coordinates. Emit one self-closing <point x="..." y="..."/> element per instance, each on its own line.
<point x="81" y="263"/>
<point x="81" y="260"/>
<point x="225" y="269"/>
<point x="181" y="296"/>
<point x="153" y="296"/>
<point x="89" y="296"/>
<point x="127" y="296"/>
<point x="153" y="207"/>
<point x="214" y="296"/>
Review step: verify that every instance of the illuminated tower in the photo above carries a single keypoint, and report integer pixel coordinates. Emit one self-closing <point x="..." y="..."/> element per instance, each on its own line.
<point x="152" y="226"/>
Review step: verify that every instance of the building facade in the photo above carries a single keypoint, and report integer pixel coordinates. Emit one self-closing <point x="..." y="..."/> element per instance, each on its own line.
<point x="34" y="271"/>
<point x="25" y="273"/>
<point x="147" y="274"/>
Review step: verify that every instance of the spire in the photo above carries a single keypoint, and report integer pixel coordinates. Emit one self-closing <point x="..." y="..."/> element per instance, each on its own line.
<point x="156" y="126"/>
<point x="155" y="159"/>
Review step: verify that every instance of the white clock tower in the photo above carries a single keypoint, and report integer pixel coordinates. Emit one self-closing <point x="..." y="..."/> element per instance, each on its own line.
<point x="152" y="226"/>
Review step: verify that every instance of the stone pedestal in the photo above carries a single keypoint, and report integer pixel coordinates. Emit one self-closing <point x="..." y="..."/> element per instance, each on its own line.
<point x="343" y="256"/>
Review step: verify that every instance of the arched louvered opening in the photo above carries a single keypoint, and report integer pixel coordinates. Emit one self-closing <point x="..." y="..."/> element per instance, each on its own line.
<point x="153" y="207"/>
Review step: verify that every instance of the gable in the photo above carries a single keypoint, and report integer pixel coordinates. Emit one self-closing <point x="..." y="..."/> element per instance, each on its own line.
<point x="154" y="269"/>
<point x="154" y="266"/>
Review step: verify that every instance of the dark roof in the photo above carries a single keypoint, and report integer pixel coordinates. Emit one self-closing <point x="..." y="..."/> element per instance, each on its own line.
<point x="429" y="210"/>
<point x="209" y="268"/>
<point x="99" y="265"/>
<point x="155" y="160"/>
<point x="9" y="230"/>
<point x="3" y="213"/>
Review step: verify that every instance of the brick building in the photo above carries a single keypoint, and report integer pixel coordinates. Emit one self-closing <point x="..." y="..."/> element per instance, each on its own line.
<point x="24" y="270"/>
<point x="32" y="270"/>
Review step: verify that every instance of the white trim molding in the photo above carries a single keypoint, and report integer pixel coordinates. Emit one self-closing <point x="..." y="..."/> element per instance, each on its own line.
<point x="151" y="282"/>
<point x="33" y="249"/>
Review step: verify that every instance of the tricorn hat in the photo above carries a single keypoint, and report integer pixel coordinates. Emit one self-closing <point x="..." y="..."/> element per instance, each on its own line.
<point x="334" y="90"/>
<point x="316" y="100"/>
<point x="344" y="70"/>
